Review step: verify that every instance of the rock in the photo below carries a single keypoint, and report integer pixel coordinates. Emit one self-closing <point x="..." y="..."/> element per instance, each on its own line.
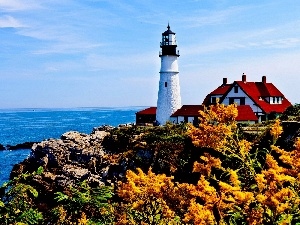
<point x="106" y="128"/>
<point x="2" y="147"/>
<point x="76" y="173"/>
<point x="25" y="145"/>
<point x="74" y="158"/>
<point x="49" y="176"/>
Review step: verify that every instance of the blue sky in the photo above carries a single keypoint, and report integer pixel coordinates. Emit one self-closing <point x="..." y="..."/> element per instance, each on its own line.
<point x="94" y="53"/>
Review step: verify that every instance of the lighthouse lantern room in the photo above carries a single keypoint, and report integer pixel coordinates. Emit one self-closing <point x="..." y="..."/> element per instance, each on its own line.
<point x="169" y="99"/>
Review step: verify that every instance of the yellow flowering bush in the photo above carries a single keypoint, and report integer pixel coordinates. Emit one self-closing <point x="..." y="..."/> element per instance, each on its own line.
<point x="217" y="124"/>
<point x="152" y="197"/>
<point x="238" y="182"/>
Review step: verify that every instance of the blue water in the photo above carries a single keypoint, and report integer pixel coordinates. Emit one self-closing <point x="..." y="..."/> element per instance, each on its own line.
<point x="22" y="125"/>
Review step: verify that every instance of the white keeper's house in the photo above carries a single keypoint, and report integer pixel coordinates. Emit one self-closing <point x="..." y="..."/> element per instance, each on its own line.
<point x="256" y="101"/>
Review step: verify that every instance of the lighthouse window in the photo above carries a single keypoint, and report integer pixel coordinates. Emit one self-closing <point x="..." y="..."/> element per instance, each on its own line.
<point x="166" y="84"/>
<point x="166" y="40"/>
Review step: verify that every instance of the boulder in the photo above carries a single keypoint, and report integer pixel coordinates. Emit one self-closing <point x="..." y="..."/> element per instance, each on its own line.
<point x="25" y="145"/>
<point x="2" y="147"/>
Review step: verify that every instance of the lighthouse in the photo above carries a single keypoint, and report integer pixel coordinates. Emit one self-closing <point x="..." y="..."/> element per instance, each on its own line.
<point x="169" y="99"/>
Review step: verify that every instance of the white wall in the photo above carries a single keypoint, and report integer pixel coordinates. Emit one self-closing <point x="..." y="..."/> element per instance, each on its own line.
<point x="241" y="93"/>
<point x="169" y="99"/>
<point x="169" y="63"/>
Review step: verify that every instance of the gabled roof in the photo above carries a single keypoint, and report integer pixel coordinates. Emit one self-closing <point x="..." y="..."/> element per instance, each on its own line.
<point x="188" y="110"/>
<point x="148" y="111"/>
<point x="245" y="113"/>
<point x="221" y="90"/>
<point x="257" y="91"/>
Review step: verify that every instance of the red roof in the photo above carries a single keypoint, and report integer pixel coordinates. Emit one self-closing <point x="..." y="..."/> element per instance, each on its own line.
<point x="257" y="91"/>
<point x="245" y="113"/>
<point x="188" y="110"/>
<point x="221" y="90"/>
<point x="148" y="111"/>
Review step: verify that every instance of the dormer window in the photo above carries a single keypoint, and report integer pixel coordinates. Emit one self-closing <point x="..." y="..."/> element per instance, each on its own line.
<point x="275" y="100"/>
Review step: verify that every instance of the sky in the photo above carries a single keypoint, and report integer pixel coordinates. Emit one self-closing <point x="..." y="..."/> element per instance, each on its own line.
<point x="105" y="53"/>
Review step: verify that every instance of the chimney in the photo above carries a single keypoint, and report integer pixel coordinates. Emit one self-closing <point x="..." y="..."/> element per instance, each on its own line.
<point x="264" y="79"/>
<point x="244" y="78"/>
<point x="224" y="80"/>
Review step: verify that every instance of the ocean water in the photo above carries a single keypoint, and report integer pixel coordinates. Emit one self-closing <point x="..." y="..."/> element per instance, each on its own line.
<point x="35" y="125"/>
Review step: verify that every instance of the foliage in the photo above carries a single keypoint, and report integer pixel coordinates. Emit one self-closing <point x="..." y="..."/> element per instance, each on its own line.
<point x="153" y="199"/>
<point x="81" y="205"/>
<point x="84" y="204"/>
<point x="121" y="139"/>
<point x="238" y="182"/>
<point x="291" y="113"/>
<point x="168" y="145"/>
<point x="217" y="125"/>
<point x="17" y="201"/>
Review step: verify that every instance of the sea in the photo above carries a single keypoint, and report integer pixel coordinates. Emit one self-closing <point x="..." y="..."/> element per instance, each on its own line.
<point x="35" y="125"/>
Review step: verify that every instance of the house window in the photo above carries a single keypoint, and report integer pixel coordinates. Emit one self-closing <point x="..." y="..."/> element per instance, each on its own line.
<point x="213" y="99"/>
<point x="236" y="89"/>
<point x="242" y="101"/>
<point x="274" y="100"/>
<point x="166" y="84"/>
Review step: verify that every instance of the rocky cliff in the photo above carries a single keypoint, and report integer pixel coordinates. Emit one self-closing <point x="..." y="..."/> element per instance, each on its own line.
<point x="71" y="159"/>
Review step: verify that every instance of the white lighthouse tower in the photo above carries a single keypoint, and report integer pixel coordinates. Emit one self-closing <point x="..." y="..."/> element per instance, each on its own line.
<point x="169" y="99"/>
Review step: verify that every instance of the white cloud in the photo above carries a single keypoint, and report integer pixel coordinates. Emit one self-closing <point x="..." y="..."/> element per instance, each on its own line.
<point x="18" y="5"/>
<point x="9" y="21"/>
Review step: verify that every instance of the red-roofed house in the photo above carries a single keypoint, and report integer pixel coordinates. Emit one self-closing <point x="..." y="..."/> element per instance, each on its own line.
<point x="146" y="116"/>
<point x="190" y="114"/>
<point x="263" y="98"/>
<point x="187" y="113"/>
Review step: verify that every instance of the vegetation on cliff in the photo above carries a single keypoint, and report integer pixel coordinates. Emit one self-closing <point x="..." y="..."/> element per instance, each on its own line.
<point x="174" y="174"/>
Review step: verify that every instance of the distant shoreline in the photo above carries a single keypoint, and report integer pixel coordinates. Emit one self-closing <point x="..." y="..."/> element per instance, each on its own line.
<point x="25" y="146"/>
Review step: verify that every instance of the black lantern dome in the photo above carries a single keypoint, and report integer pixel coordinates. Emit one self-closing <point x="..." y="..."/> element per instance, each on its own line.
<point x="168" y="44"/>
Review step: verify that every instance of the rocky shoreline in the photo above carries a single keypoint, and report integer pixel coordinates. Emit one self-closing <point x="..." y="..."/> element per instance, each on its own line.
<point x="25" y="145"/>
<point x="73" y="158"/>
